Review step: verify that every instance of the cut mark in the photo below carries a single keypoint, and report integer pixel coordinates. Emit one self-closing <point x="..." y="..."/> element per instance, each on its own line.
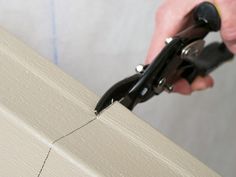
<point x="73" y="131"/>
<point x="45" y="160"/>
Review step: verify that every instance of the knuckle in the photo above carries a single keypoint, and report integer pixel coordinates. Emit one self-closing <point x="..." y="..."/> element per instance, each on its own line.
<point x="229" y="31"/>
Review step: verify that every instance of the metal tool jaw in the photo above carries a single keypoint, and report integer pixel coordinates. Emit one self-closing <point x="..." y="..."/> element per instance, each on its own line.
<point x="184" y="56"/>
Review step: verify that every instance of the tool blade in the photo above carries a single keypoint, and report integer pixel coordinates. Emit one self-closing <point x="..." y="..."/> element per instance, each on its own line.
<point x="116" y="93"/>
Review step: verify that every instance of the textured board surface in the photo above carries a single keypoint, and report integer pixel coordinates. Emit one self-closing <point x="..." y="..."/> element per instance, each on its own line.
<point x="49" y="127"/>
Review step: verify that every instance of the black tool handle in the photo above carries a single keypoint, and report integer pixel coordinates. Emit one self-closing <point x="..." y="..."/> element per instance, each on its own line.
<point x="207" y="13"/>
<point x="203" y="19"/>
<point x="212" y="55"/>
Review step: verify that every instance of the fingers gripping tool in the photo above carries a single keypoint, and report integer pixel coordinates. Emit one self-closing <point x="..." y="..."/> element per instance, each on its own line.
<point x="184" y="56"/>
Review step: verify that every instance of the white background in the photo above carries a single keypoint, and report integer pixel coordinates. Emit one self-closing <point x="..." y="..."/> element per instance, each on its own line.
<point x="100" y="42"/>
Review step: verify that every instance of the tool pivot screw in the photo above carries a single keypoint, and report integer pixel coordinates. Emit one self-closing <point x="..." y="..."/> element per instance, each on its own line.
<point x="139" y="68"/>
<point x="168" y="40"/>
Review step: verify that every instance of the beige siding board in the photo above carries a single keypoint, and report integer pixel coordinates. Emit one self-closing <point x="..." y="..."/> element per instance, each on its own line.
<point x="39" y="93"/>
<point x="21" y="154"/>
<point x="42" y="103"/>
<point x="44" y="111"/>
<point x="150" y="140"/>
<point x="120" y="144"/>
<point x="100" y="151"/>
<point x="57" y="165"/>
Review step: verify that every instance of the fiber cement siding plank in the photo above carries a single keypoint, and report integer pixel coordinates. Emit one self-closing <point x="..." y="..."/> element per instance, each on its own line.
<point x="48" y="127"/>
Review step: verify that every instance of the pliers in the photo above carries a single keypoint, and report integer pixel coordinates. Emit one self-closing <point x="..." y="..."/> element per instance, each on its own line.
<point x="184" y="56"/>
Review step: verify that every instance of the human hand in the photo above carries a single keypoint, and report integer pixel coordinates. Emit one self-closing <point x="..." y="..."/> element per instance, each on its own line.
<point x="171" y="18"/>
